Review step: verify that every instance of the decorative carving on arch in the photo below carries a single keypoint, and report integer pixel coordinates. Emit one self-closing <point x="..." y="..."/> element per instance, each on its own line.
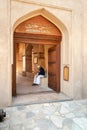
<point x="38" y="25"/>
<point x="46" y="14"/>
<point x="56" y="21"/>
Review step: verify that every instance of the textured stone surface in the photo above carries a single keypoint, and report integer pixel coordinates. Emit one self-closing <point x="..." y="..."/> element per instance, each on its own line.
<point x="48" y="116"/>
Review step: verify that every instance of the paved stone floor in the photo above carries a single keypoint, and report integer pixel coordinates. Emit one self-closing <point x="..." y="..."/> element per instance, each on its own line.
<point x="70" y="115"/>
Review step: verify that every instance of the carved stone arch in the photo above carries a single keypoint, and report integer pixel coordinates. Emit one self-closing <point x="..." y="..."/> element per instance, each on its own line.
<point x="46" y="14"/>
<point x="56" y="21"/>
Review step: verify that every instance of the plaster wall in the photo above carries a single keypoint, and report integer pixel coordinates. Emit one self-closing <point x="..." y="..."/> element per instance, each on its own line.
<point x="84" y="48"/>
<point x="5" y="65"/>
<point x="68" y="14"/>
<point x="69" y="17"/>
<point x="17" y="14"/>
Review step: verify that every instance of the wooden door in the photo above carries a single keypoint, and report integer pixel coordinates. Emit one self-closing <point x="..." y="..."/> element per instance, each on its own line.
<point x="14" y="71"/>
<point x="54" y="68"/>
<point x="28" y="58"/>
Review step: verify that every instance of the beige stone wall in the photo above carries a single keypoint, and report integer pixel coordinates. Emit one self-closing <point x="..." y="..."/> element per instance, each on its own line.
<point x="71" y="18"/>
<point x="5" y="49"/>
<point x="84" y="48"/>
<point x="57" y="16"/>
<point x="67" y="16"/>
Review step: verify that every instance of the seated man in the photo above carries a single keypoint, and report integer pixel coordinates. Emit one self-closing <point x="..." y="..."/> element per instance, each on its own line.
<point x="40" y="74"/>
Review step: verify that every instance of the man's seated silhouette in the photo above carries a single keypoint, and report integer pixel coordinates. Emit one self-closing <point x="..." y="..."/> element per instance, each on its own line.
<point x="41" y="73"/>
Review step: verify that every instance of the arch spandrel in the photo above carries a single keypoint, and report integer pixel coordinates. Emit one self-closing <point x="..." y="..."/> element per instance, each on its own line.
<point x="46" y="14"/>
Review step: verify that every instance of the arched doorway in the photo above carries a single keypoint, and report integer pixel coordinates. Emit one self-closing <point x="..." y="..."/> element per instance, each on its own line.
<point x="41" y="32"/>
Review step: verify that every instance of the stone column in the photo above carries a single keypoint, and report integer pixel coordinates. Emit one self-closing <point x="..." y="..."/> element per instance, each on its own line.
<point x="5" y="64"/>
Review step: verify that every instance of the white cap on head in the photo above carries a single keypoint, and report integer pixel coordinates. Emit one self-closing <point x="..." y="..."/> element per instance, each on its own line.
<point x="38" y="66"/>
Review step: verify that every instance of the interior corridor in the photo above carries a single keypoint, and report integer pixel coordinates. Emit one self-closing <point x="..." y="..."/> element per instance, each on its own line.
<point x="24" y="85"/>
<point x="28" y="94"/>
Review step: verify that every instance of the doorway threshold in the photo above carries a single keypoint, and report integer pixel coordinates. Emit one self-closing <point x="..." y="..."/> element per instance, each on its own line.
<point x="39" y="98"/>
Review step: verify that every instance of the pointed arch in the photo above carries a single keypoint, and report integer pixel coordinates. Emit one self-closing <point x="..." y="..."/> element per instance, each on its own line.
<point x="46" y="14"/>
<point x="56" y="21"/>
